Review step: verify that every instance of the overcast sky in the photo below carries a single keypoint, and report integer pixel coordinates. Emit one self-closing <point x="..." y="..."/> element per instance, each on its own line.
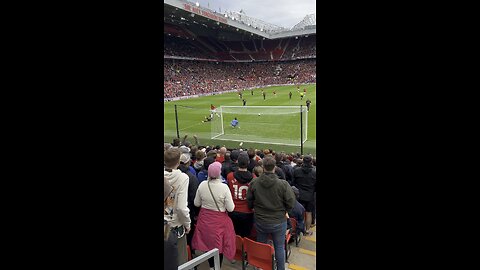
<point x="284" y="13"/>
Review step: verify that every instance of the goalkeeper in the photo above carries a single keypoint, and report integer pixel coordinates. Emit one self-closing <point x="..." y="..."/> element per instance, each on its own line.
<point x="235" y="123"/>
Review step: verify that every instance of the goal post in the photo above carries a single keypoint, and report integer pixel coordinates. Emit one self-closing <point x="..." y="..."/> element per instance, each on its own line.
<point x="283" y="125"/>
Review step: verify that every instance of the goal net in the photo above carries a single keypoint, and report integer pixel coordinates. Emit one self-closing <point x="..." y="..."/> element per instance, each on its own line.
<point x="285" y="125"/>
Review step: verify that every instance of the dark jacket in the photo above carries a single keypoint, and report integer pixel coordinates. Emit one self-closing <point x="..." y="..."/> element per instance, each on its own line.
<point x="192" y="191"/>
<point x="251" y="164"/>
<point x="305" y="179"/>
<point x="279" y="172"/>
<point x="288" y="170"/>
<point x="243" y="177"/>
<point x="297" y="213"/>
<point x="228" y="167"/>
<point x="271" y="198"/>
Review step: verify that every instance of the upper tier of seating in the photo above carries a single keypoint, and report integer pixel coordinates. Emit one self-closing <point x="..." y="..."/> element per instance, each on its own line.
<point x="182" y="42"/>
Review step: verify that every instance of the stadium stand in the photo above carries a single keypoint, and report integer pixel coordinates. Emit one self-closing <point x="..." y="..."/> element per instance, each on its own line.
<point x="207" y="52"/>
<point x="185" y="77"/>
<point x="292" y="160"/>
<point x="182" y="45"/>
<point x="300" y="47"/>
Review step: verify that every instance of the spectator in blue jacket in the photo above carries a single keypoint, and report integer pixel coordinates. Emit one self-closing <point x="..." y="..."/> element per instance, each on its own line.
<point x="297" y="212"/>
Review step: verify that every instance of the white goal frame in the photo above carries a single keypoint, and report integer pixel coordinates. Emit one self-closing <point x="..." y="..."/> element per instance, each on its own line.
<point x="304" y="130"/>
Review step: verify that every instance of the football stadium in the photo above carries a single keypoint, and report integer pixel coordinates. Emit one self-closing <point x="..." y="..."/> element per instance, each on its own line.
<point x="240" y="99"/>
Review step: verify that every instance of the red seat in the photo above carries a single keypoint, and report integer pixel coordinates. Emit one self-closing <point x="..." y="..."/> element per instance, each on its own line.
<point x="287" y="248"/>
<point x="259" y="255"/>
<point x="294" y="231"/>
<point x="288" y="235"/>
<point x="239" y="253"/>
<point x="189" y="253"/>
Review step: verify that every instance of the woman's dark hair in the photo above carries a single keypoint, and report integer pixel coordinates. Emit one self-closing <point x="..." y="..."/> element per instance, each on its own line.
<point x="207" y="162"/>
<point x="251" y="153"/>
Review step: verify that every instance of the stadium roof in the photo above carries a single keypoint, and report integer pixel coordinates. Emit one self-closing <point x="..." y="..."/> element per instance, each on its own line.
<point x="182" y="11"/>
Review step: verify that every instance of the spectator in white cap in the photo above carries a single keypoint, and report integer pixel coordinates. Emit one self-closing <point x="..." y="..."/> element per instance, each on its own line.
<point x="185" y="158"/>
<point x="185" y="150"/>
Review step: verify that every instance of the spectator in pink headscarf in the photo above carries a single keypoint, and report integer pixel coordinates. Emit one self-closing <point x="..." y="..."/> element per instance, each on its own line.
<point x="214" y="227"/>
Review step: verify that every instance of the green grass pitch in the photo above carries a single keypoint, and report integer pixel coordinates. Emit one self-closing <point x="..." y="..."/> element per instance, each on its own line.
<point x="190" y="119"/>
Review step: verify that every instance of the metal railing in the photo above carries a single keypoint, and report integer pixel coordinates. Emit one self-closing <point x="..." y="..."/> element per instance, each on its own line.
<point x="200" y="259"/>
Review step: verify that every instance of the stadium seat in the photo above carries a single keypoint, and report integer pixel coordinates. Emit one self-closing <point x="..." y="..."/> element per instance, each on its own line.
<point x="240" y="253"/>
<point x="288" y="249"/>
<point x="259" y="255"/>
<point x="295" y="235"/>
<point x="189" y="253"/>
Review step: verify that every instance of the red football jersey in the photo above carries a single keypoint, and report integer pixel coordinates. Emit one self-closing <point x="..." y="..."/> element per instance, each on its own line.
<point x="239" y="194"/>
<point x="220" y="159"/>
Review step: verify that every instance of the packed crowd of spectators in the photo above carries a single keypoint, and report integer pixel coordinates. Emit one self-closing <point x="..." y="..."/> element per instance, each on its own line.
<point x="213" y="193"/>
<point x="186" y="77"/>
<point x="175" y="46"/>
